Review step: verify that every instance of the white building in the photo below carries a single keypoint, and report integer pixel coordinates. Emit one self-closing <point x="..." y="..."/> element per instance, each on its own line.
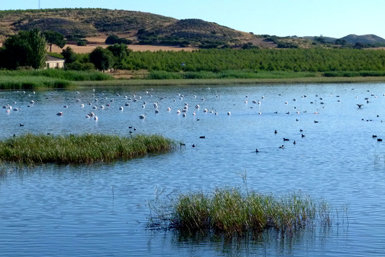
<point x="54" y="63"/>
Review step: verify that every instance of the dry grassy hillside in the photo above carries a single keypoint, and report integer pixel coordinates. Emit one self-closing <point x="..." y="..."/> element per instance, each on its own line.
<point x="141" y="28"/>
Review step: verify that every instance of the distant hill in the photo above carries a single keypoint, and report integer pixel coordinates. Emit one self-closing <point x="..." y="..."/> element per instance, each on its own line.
<point x="152" y="29"/>
<point x="372" y="40"/>
<point x="140" y="27"/>
<point x="352" y="40"/>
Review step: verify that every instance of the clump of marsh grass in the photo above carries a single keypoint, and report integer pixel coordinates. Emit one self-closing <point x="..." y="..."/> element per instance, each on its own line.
<point x="230" y="212"/>
<point x="31" y="82"/>
<point x="80" y="149"/>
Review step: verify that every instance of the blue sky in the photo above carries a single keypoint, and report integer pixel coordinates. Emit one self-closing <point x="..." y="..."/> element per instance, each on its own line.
<point x="335" y="18"/>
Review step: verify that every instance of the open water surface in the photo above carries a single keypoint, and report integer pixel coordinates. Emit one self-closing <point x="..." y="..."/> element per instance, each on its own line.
<point x="103" y="209"/>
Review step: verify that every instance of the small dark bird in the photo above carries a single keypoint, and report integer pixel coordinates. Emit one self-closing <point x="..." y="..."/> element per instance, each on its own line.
<point x="286" y="139"/>
<point x="256" y="150"/>
<point x="302" y="135"/>
<point x="193" y="145"/>
<point x="301" y="130"/>
<point x="21" y="125"/>
<point x="275" y="131"/>
<point x="374" y="136"/>
<point x="202" y="137"/>
<point x="316" y="121"/>
<point x="360" y="106"/>
<point x="379" y="140"/>
<point x="282" y="147"/>
<point x="294" y="143"/>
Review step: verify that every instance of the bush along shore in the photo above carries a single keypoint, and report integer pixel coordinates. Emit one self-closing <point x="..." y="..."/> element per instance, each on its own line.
<point x="229" y="212"/>
<point x="80" y="149"/>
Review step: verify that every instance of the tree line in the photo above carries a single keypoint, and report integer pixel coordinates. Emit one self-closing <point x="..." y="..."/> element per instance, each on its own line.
<point x="28" y="49"/>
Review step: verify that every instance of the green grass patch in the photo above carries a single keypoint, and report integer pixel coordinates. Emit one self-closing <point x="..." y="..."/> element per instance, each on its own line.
<point x="229" y="74"/>
<point x="58" y="74"/>
<point x="32" y="82"/>
<point x="49" y="78"/>
<point x="230" y="212"/>
<point x="80" y="149"/>
<point x="354" y="74"/>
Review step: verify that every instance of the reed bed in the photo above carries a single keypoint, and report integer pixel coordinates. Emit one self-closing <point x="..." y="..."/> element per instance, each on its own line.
<point x="230" y="212"/>
<point x="49" y="78"/>
<point x="32" y="82"/>
<point x="80" y="149"/>
<point x="69" y="75"/>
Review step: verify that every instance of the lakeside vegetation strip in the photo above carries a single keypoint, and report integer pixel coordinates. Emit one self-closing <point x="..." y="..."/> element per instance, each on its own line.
<point x="230" y="212"/>
<point x="50" y="78"/>
<point x="191" y="82"/>
<point x="80" y="149"/>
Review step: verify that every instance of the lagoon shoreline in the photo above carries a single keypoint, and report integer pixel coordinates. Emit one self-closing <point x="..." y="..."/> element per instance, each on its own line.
<point x="175" y="82"/>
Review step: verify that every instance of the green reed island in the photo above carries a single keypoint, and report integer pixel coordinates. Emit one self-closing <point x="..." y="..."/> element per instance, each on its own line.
<point x="80" y="149"/>
<point x="231" y="212"/>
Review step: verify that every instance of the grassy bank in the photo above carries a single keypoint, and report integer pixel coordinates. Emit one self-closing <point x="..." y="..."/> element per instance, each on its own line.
<point x="230" y="74"/>
<point x="69" y="75"/>
<point x="80" y="149"/>
<point x="230" y="212"/>
<point x="188" y="82"/>
<point x="32" y="82"/>
<point x="30" y="79"/>
<point x="50" y="78"/>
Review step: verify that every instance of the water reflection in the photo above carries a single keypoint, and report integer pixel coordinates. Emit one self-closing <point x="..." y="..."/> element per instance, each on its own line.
<point x="52" y="210"/>
<point x="268" y="243"/>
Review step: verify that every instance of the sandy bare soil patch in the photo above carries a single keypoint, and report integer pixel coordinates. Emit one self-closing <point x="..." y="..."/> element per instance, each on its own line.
<point x="96" y="40"/>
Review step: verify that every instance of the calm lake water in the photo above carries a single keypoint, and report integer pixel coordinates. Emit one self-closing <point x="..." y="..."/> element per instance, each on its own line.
<point x="103" y="210"/>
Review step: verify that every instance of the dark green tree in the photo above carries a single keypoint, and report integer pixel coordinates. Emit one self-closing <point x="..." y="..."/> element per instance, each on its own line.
<point x="101" y="58"/>
<point x="120" y="52"/>
<point x="69" y="55"/>
<point x="27" y="48"/>
<point x="2" y="58"/>
<point x="54" y="38"/>
<point x="114" y="39"/>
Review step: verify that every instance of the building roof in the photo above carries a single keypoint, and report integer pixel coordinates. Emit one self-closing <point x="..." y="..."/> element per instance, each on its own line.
<point x="53" y="59"/>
